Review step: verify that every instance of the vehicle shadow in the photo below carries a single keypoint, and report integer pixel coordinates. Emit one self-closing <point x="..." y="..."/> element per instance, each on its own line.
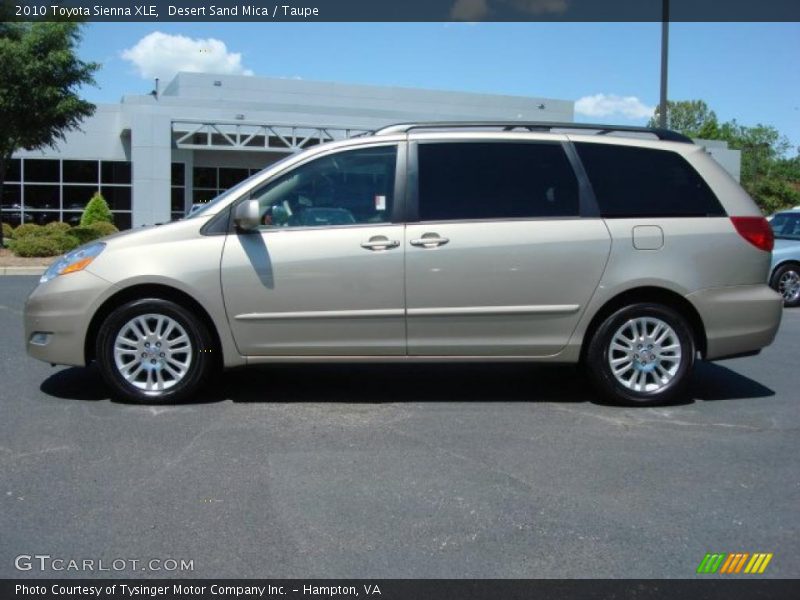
<point x="383" y="383"/>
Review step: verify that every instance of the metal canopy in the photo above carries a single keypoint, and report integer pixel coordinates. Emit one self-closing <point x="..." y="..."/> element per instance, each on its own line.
<point x="255" y="137"/>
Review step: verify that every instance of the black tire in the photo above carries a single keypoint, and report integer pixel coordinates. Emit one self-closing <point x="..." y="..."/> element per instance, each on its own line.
<point x="787" y="270"/>
<point x="199" y="360"/>
<point x="611" y="388"/>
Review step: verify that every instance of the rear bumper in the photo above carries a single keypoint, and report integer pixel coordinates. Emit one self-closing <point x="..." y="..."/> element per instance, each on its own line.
<point x="738" y="320"/>
<point x="60" y="311"/>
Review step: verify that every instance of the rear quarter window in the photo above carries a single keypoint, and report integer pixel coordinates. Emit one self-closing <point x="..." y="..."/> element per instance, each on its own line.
<point x="629" y="181"/>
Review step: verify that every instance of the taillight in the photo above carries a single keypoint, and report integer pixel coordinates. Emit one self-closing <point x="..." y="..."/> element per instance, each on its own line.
<point x="755" y="230"/>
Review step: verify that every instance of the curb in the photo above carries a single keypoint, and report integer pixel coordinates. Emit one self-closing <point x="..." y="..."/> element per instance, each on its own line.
<point x="22" y="270"/>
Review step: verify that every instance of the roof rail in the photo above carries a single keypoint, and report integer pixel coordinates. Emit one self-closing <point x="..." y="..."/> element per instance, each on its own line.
<point x="543" y="126"/>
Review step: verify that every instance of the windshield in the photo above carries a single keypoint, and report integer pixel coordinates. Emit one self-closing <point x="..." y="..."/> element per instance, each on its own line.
<point x="786" y="226"/>
<point x="211" y="207"/>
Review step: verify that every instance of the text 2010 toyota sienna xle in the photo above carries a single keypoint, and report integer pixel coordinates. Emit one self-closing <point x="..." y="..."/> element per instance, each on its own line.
<point x="631" y="253"/>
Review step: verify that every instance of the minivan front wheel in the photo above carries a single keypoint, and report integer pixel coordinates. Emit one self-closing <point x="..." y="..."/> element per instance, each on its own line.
<point x="153" y="351"/>
<point x="642" y="354"/>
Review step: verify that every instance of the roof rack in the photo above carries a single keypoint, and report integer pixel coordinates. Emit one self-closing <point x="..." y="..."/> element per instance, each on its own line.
<point x="541" y="126"/>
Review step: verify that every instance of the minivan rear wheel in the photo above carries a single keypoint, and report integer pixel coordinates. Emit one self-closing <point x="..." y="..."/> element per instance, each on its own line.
<point x="641" y="355"/>
<point x="154" y="351"/>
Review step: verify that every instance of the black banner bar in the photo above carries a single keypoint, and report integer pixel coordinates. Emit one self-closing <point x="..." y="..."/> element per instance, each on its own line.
<point x="274" y="11"/>
<point x="732" y="588"/>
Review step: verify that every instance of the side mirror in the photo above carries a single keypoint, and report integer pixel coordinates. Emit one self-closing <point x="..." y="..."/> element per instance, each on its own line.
<point x="246" y="215"/>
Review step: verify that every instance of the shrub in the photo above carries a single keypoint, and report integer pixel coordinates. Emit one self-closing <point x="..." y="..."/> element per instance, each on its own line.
<point x="8" y="232"/>
<point x="96" y="211"/>
<point x="44" y="245"/>
<point x="103" y="229"/>
<point x="85" y="234"/>
<point x="57" y="226"/>
<point x="27" y="229"/>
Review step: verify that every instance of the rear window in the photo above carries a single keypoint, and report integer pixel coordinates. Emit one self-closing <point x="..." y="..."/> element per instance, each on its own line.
<point x="644" y="182"/>
<point x="786" y="226"/>
<point x="495" y="180"/>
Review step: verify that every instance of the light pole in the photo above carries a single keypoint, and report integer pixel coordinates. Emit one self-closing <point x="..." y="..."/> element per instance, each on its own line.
<point x="662" y="116"/>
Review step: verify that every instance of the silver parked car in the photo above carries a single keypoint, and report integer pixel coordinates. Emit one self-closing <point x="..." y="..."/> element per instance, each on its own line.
<point x="629" y="250"/>
<point x="785" y="269"/>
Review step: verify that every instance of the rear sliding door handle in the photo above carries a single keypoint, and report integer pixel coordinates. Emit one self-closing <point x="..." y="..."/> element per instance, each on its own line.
<point x="430" y="240"/>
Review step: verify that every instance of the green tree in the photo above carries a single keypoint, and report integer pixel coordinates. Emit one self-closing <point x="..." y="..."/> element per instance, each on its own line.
<point x="96" y="211"/>
<point x="691" y="117"/>
<point x="769" y="174"/>
<point x="40" y="74"/>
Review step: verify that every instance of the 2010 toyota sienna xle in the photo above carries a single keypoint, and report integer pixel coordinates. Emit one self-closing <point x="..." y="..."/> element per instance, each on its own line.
<point x="628" y="250"/>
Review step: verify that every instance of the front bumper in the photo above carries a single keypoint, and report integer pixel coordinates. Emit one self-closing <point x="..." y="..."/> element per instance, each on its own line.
<point x="738" y="319"/>
<point x="60" y="311"/>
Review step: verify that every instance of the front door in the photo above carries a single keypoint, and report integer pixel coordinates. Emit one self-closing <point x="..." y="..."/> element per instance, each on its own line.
<point x="500" y="262"/>
<point x="324" y="273"/>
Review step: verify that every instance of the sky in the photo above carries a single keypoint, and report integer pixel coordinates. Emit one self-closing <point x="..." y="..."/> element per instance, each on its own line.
<point x="744" y="71"/>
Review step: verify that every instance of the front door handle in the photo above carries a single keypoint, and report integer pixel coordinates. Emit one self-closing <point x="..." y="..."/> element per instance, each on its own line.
<point x="379" y="242"/>
<point x="430" y="240"/>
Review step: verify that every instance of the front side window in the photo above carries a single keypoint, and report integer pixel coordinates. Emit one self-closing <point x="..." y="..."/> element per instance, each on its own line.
<point x="347" y="188"/>
<point x="495" y="180"/>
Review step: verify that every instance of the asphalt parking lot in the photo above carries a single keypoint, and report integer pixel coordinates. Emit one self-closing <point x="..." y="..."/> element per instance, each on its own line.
<point x="399" y="471"/>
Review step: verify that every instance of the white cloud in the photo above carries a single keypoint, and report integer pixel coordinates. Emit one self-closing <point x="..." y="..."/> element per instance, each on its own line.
<point x="163" y="55"/>
<point x="609" y="105"/>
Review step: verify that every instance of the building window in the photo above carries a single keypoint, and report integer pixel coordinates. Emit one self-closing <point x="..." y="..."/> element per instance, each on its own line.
<point x="205" y="177"/>
<point x="44" y="190"/>
<point x="178" y="191"/>
<point x="117" y="196"/>
<point x="13" y="170"/>
<point x="230" y="177"/>
<point x="42" y="170"/>
<point x="116" y="171"/>
<point x="80" y="171"/>
<point x="210" y="182"/>
<point x="76" y="196"/>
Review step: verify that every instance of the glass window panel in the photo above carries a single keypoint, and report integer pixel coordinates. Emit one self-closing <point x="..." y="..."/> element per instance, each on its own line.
<point x="73" y="218"/>
<point x="11" y="196"/>
<point x="42" y="196"/>
<point x="203" y="196"/>
<point x="116" y="171"/>
<point x="37" y="169"/>
<point x="76" y="196"/>
<point x="14" y="217"/>
<point x="178" y="199"/>
<point x="80" y="171"/>
<point x="495" y="181"/>
<point x="43" y="217"/>
<point x="122" y="220"/>
<point x="230" y="177"/>
<point x="118" y="198"/>
<point x="205" y="177"/>
<point x="644" y="182"/>
<point x="178" y="174"/>
<point x="355" y="186"/>
<point x="13" y="169"/>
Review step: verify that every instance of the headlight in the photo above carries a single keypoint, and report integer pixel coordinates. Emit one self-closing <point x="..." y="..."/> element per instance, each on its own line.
<point x="74" y="261"/>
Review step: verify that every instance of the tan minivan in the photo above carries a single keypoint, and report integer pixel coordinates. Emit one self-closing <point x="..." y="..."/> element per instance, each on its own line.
<point x="629" y="250"/>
